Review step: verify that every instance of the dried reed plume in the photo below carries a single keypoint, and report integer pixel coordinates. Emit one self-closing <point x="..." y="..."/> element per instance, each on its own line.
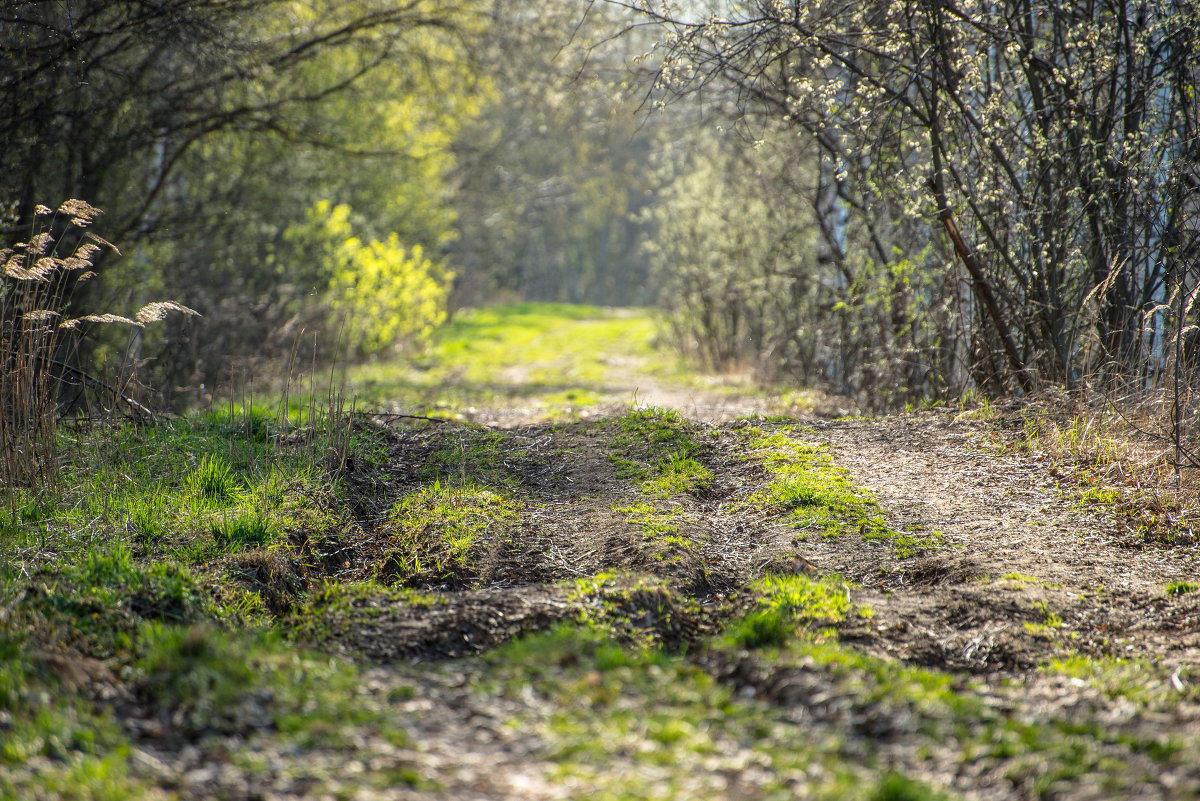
<point x="37" y="279"/>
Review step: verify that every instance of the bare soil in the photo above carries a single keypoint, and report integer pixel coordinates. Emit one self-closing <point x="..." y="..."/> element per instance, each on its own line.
<point x="1022" y="574"/>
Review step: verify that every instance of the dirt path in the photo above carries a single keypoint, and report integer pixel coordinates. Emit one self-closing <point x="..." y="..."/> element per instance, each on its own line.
<point x="568" y="610"/>
<point x="1004" y="510"/>
<point x="1003" y="575"/>
<point x="1005" y="514"/>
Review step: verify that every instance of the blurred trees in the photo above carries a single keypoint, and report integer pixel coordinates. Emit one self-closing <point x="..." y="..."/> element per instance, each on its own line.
<point x="1005" y="192"/>
<point x="208" y="129"/>
<point x="910" y="199"/>
<point x="555" y="172"/>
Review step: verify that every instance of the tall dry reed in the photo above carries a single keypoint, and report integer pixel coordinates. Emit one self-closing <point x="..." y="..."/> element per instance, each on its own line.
<point x="38" y="340"/>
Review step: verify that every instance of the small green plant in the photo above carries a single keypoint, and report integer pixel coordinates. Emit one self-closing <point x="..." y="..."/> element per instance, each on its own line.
<point x="657" y="449"/>
<point x="786" y="601"/>
<point x="651" y="521"/>
<point x="826" y="599"/>
<point x="212" y="481"/>
<point x="146" y="519"/>
<point x="248" y="527"/>
<point x="906" y="544"/>
<point x="898" y="787"/>
<point x="437" y="528"/>
<point x="590" y="585"/>
<point x="678" y="474"/>
<point x="762" y="628"/>
<point x="1051" y="620"/>
<point x="1182" y="587"/>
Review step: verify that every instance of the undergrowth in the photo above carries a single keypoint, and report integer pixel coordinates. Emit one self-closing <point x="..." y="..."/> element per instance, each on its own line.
<point x="150" y="566"/>
<point x="1114" y="459"/>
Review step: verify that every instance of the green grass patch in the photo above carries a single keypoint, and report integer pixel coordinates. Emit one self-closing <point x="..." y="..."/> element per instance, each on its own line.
<point x="556" y="357"/>
<point x="806" y="487"/>
<point x="677" y="475"/>
<point x="786" y="601"/>
<point x="212" y="481"/>
<point x="435" y="531"/>
<point x="1176" y="588"/>
<point x="98" y="603"/>
<point x="637" y="610"/>
<point x="469" y="454"/>
<point x="78" y="749"/>
<point x="204" y="680"/>
<point x="627" y="722"/>
<point x="825" y="599"/>
<point x="589" y="586"/>
<point x="334" y="608"/>
<point x="1135" y="680"/>
<point x="247" y="528"/>
<point x="657" y="449"/>
<point x="663" y="431"/>
<point x="190" y="489"/>
<point x="815" y="495"/>
<point x="654" y="523"/>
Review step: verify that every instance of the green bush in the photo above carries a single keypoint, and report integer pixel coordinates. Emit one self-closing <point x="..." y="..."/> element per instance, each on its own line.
<point x="380" y="294"/>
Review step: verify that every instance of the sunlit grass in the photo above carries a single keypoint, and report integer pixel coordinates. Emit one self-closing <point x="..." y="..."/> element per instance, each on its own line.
<point x="628" y="722"/>
<point x="553" y="356"/>
<point x="1136" y="680"/>
<point x="657" y="448"/>
<point x="815" y="495"/>
<point x="438" y="528"/>
<point x="551" y="360"/>
<point x="784" y="602"/>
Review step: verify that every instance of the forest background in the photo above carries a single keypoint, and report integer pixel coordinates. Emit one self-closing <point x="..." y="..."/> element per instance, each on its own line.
<point x="904" y="202"/>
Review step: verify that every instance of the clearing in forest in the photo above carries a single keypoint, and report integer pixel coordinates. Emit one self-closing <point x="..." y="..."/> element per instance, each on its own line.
<point x="698" y="592"/>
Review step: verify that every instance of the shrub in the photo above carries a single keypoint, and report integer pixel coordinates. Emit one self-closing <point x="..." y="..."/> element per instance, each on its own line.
<point x="380" y="294"/>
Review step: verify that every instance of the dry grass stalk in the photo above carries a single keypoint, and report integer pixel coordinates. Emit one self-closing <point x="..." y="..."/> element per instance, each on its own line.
<point x="37" y="282"/>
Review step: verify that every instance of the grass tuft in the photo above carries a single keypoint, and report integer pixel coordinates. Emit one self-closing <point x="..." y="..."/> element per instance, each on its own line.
<point x="212" y="481"/>
<point x="785" y="602"/>
<point x="436" y="530"/>
<point x="246" y="528"/>
<point x="898" y="787"/>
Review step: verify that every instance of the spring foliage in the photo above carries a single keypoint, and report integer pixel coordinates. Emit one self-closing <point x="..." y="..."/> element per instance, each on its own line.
<point x="381" y="295"/>
<point x="1029" y="169"/>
